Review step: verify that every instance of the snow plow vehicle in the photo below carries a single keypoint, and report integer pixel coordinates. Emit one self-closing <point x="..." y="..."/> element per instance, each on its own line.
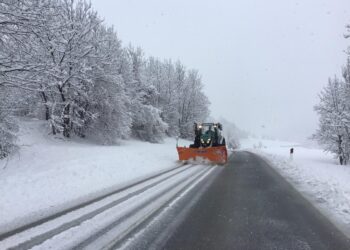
<point x="209" y="145"/>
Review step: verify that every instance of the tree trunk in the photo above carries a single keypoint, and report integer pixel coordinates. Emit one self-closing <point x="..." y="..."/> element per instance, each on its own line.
<point x="66" y="121"/>
<point x="47" y="109"/>
<point x="66" y="115"/>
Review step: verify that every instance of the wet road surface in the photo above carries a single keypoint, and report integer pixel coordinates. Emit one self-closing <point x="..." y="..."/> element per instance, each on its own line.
<point x="250" y="206"/>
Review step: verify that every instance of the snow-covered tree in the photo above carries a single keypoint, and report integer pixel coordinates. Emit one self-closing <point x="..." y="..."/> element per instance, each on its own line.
<point x="334" y="114"/>
<point x="108" y="97"/>
<point x="331" y="110"/>
<point x="8" y="127"/>
<point x="64" y="65"/>
<point x="193" y="104"/>
<point x="64" y="60"/>
<point x="232" y="133"/>
<point x="181" y="98"/>
<point x="146" y="121"/>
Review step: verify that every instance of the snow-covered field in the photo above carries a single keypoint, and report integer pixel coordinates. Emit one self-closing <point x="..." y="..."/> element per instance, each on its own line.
<point x="48" y="173"/>
<point x="315" y="173"/>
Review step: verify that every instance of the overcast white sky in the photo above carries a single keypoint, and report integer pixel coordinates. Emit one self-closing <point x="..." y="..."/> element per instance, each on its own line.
<point x="262" y="62"/>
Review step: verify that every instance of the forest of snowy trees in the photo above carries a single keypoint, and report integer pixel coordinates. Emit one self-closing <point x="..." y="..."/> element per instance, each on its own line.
<point x="334" y="113"/>
<point x="59" y="62"/>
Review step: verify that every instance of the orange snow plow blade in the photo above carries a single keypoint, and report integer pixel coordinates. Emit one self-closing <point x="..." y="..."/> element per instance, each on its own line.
<point x="216" y="155"/>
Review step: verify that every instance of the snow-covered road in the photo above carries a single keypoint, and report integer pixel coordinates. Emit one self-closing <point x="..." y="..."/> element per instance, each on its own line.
<point x="109" y="220"/>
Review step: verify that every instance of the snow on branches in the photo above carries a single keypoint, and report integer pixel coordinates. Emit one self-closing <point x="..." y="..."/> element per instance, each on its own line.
<point x="334" y="115"/>
<point x="62" y="59"/>
<point x="8" y="127"/>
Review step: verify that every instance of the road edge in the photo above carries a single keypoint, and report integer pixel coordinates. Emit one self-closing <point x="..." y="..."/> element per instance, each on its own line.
<point x="323" y="211"/>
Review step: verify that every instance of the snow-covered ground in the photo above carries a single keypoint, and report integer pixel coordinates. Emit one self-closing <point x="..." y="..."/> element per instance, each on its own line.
<point x="313" y="172"/>
<point x="48" y="173"/>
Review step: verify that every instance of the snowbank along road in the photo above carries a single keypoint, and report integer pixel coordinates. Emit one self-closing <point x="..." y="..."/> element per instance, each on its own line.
<point x="244" y="205"/>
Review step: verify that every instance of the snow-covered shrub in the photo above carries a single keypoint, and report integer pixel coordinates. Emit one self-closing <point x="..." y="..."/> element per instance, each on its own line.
<point x="147" y="124"/>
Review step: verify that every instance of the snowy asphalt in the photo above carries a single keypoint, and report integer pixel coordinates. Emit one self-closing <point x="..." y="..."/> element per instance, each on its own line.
<point x="250" y="206"/>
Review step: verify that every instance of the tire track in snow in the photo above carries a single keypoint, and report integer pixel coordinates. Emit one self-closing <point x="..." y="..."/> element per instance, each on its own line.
<point x="116" y="233"/>
<point x="36" y="232"/>
<point x="37" y="235"/>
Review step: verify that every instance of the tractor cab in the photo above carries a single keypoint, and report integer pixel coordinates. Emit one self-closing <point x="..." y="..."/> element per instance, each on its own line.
<point x="208" y="135"/>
